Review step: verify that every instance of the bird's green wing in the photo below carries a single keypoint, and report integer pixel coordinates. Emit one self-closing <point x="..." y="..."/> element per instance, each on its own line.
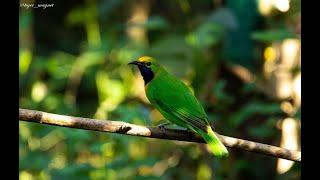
<point x="174" y="98"/>
<point x="183" y="115"/>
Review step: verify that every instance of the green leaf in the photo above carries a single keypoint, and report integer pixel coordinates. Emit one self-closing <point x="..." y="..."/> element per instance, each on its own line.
<point x="225" y="17"/>
<point x="156" y="23"/>
<point x="208" y="34"/>
<point x="253" y="108"/>
<point x="269" y="36"/>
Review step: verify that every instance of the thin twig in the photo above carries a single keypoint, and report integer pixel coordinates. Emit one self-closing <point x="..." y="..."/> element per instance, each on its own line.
<point x="152" y="132"/>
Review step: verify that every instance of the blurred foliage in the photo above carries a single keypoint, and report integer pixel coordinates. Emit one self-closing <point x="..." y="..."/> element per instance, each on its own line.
<point x="73" y="60"/>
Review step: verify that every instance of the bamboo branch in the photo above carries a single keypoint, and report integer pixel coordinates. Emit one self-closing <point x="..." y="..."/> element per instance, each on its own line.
<point x="152" y="132"/>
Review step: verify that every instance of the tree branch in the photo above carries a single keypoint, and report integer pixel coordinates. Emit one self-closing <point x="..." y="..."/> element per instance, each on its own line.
<point x="152" y="132"/>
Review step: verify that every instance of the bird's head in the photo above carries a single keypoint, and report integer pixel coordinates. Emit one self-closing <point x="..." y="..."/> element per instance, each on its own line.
<point x="148" y="67"/>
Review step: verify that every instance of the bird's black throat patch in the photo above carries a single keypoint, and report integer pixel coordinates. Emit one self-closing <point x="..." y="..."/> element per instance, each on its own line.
<point x="146" y="73"/>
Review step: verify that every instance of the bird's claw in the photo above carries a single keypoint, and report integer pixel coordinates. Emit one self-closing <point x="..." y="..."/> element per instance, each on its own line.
<point x="162" y="127"/>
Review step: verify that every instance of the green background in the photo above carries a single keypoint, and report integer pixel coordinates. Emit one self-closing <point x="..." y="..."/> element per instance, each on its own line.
<point x="73" y="61"/>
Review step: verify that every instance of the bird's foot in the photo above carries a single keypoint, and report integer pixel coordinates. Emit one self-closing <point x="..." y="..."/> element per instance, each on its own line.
<point x="162" y="126"/>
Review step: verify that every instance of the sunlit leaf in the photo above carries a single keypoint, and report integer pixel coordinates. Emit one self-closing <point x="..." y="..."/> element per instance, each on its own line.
<point x="25" y="57"/>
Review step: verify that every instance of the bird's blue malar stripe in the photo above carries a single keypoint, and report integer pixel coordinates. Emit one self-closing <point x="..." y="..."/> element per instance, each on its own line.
<point x="146" y="73"/>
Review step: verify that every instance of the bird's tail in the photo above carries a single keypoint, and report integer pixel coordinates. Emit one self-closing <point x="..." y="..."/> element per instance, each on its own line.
<point x="215" y="145"/>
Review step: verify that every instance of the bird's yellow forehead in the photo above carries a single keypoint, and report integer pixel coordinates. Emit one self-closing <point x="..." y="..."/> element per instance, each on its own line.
<point x="144" y="59"/>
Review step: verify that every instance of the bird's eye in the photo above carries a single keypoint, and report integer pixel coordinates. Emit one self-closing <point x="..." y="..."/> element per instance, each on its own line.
<point x="148" y="63"/>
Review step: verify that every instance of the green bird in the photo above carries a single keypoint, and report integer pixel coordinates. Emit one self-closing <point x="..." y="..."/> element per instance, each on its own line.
<point x="176" y="102"/>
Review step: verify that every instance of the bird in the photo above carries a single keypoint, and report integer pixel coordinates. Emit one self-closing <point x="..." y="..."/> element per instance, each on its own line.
<point x="176" y="102"/>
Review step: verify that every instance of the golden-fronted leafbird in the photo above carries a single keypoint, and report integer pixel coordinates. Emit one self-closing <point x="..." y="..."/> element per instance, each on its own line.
<point x="176" y="102"/>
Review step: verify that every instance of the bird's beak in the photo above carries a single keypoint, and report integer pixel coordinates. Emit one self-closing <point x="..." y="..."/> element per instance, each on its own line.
<point x="135" y="63"/>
